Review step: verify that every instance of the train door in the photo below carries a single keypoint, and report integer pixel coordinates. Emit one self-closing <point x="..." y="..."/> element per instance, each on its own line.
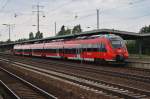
<point x="43" y="50"/>
<point x="102" y="50"/>
<point x="63" y="50"/>
<point x="57" y="52"/>
<point x="78" y="52"/>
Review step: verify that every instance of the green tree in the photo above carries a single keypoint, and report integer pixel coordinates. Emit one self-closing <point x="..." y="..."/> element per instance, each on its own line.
<point x="145" y="29"/>
<point x="8" y="41"/>
<point x="62" y="31"/>
<point x="31" y="36"/>
<point x="39" y="35"/>
<point x="145" y="42"/>
<point x="68" y="31"/>
<point x="1" y="42"/>
<point x="21" y="40"/>
<point x="76" y="29"/>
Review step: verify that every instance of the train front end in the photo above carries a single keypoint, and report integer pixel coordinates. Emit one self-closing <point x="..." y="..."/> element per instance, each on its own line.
<point x="120" y="52"/>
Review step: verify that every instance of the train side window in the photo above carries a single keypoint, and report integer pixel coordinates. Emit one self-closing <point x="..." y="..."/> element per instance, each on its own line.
<point x="18" y="50"/>
<point x="89" y="48"/>
<point x="60" y="50"/>
<point x="83" y="49"/>
<point x="39" y="50"/>
<point x="95" y="48"/>
<point x="70" y="51"/>
<point x="65" y="50"/>
<point x="78" y="50"/>
<point x="92" y="48"/>
<point x="74" y="50"/>
<point x="54" y="51"/>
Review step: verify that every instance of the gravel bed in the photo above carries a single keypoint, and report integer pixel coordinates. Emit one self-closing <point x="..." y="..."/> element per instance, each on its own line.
<point x="58" y="88"/>
<point x="110" y="79"/>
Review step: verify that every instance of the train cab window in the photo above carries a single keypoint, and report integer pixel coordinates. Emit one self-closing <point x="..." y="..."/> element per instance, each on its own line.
<point x="116" y="43"/>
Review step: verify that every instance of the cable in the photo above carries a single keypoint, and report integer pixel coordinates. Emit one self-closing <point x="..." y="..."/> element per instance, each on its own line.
<point x="137" y="2"/>
<point x="57" y="8"/>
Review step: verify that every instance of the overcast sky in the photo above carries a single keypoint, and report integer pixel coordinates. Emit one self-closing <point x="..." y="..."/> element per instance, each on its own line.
<point x="128" y="15"/>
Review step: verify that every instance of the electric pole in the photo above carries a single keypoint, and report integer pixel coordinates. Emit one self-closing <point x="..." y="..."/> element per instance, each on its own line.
<point x="55" y="28"/>
<point x="9" y="28"/>
<point x="38" y="7"/>
<point x="97" y="18"/>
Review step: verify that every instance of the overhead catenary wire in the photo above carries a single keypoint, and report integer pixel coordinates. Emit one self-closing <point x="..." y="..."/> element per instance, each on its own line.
<point x="85" y="14"/>
<point x="129" y="18"/>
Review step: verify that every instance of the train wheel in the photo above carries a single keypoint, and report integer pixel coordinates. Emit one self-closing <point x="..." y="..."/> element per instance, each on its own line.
<point x="119" y="58"/>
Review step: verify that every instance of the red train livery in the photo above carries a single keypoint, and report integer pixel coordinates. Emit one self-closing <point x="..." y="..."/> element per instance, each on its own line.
<point x="108" y="47"/>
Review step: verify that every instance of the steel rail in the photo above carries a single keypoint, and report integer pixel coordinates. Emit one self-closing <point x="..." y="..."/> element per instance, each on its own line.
<point x="92" y="84"/>
<point x="35" y="88"/>
<point x="9" y="91"/>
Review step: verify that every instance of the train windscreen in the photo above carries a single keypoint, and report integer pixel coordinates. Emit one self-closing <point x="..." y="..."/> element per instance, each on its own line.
<point x="117" y="42"/>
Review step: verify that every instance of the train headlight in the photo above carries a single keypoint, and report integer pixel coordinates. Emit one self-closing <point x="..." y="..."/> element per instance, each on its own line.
<point x="119" y="50"/>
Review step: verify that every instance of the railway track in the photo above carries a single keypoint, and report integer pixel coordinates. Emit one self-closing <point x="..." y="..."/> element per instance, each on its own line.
<point x="88" y="65"/>
<point x="19" y="88"/>
<point x="103" y="71"/>
<point x="6" y="92"/>
<point x="109" y="72"/>
<point x="91" y="84"/>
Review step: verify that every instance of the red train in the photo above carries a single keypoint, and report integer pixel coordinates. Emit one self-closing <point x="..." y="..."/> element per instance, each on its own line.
<point x="108" y="47"/>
